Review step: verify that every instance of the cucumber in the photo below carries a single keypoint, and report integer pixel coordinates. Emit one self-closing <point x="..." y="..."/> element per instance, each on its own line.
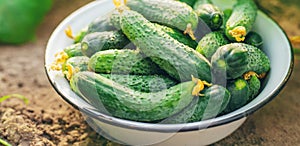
<point x="123" y="62"/>
<point x="99" y="41"/>
<point x="214" y="101"/>
<point x="79" y="63"/>
<point x="73" y="50"/>
<point x="100" y="24"/>
<point x="178" y="35"/>
<point x="122" y="102"/>
<point x="239" y="91"/>
<point x="74" y="65"/>
<point x="254" y="87"/>
<point x="258" y="61"/>
<point x="143" y="83"/>
<point x="168" y="12"/>
<point x="177" y="59"/>
<point x="209" y="13"/>
<point x="189" y="2"/>
<point x="227" y="14"/>
<point x="254" y="39"/>
<point x="209" y="44"/>
<point x="230" y="59"/>
<point x="240" y="22"/>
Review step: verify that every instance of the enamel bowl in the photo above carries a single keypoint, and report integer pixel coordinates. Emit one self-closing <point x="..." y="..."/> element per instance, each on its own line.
<point x="276" y="46"/>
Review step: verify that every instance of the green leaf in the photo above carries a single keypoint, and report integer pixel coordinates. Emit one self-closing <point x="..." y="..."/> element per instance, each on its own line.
<point x="26" y="101"/>
<point x="2" y="142"/>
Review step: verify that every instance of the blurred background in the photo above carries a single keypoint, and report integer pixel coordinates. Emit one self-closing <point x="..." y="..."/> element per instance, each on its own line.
<point x="48" y="120"/>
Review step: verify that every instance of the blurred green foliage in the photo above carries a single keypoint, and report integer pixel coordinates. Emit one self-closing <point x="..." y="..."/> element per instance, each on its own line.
<point x="20" y="18"/>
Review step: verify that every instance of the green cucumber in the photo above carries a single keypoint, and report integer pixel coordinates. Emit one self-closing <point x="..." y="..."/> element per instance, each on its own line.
<point x="168" y="12"/>
<point x="73" y="50"/>
<point x="227" y="14"/>
<point x="177" y="59"/>
<point x="178" y="35"/>
<point x="258" y="61"/>
<point x="100" y="24"/>
<point x="214" y="101"/>
<point x="230" y="59"/>
<point x="254" y="87"/>
<point x="239" y="90"/>
<point x="254" y="39"/>
<point x="143" y="83"/>
<point x="209" y="44"/>
<point x="240" y="22"/>
<point x="189" y="2"/>
<point x="209" y="13"/>
<point x="78" y="63"/>
<point x="120" y="101"/>
<point x="123" y="62"/>
<point x="99" y="41"/>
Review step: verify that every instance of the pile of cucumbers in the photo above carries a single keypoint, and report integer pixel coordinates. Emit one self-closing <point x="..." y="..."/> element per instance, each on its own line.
<point x="145" y="62"/>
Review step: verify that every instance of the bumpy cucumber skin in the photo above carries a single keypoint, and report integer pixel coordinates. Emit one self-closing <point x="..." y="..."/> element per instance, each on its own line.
<point x="209" y="13"/>
<point x="143" y="83"/>
<point x="178" y="35"/>
<point x="254" y="39"/>
<point x="73" y="50"/>
<point x="258" y="61"/>
<point x="125" y="103"/>
<point x="99" y="41"/>
<point x="214" y="101"/>
<point x="177" y="59"/>
<point x="230" y="59"/>
<point x="243" y="14"/>
<point x="123" y="62"/>
<point x="209" y="44"/>
<point x="254" y="87"/>
<point x="239" y="91"/>
<point x="168" y="12"/>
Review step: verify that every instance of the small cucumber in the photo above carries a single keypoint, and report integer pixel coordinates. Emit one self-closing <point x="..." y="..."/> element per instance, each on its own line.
<point x="258" y="61"/>
<point x="168" y="12"/>
<point x="209" y="44"/>
<point x="241" y="20"/>
<point x="120" y="101"/>
<point x="230" y="60"/>
<point x="254" y="39"/>
<point x="143" y="83"/>
<point x="227" y="14"/>
<point x="123" y="62"/>
<point x="100" y="24"/>
<point x="74" y="65"/>
<point x="178" y="35"/>
<point x="239" y="91"/>
<point x="177" y="59"/>
<point x="99" y="41"/>
<point x="254" y="87"/>
<point x="213" y="102"/>
<point x="73" y="50"/>
<point x="209" y="13"/>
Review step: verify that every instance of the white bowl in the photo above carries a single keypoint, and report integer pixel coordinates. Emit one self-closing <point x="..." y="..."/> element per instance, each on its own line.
<point x="276" y="46"/>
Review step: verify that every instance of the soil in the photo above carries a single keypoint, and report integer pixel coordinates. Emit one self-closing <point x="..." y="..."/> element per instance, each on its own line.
<point x="49" y="120"/>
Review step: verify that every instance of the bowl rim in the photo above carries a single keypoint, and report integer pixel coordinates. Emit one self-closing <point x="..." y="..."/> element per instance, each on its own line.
<point x="170" y="128"/>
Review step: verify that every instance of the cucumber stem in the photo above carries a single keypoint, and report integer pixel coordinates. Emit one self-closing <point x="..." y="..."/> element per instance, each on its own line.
<point x="26" y="101"/>
<point x="238" y="33"/>
<point x="189" y="31"/>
